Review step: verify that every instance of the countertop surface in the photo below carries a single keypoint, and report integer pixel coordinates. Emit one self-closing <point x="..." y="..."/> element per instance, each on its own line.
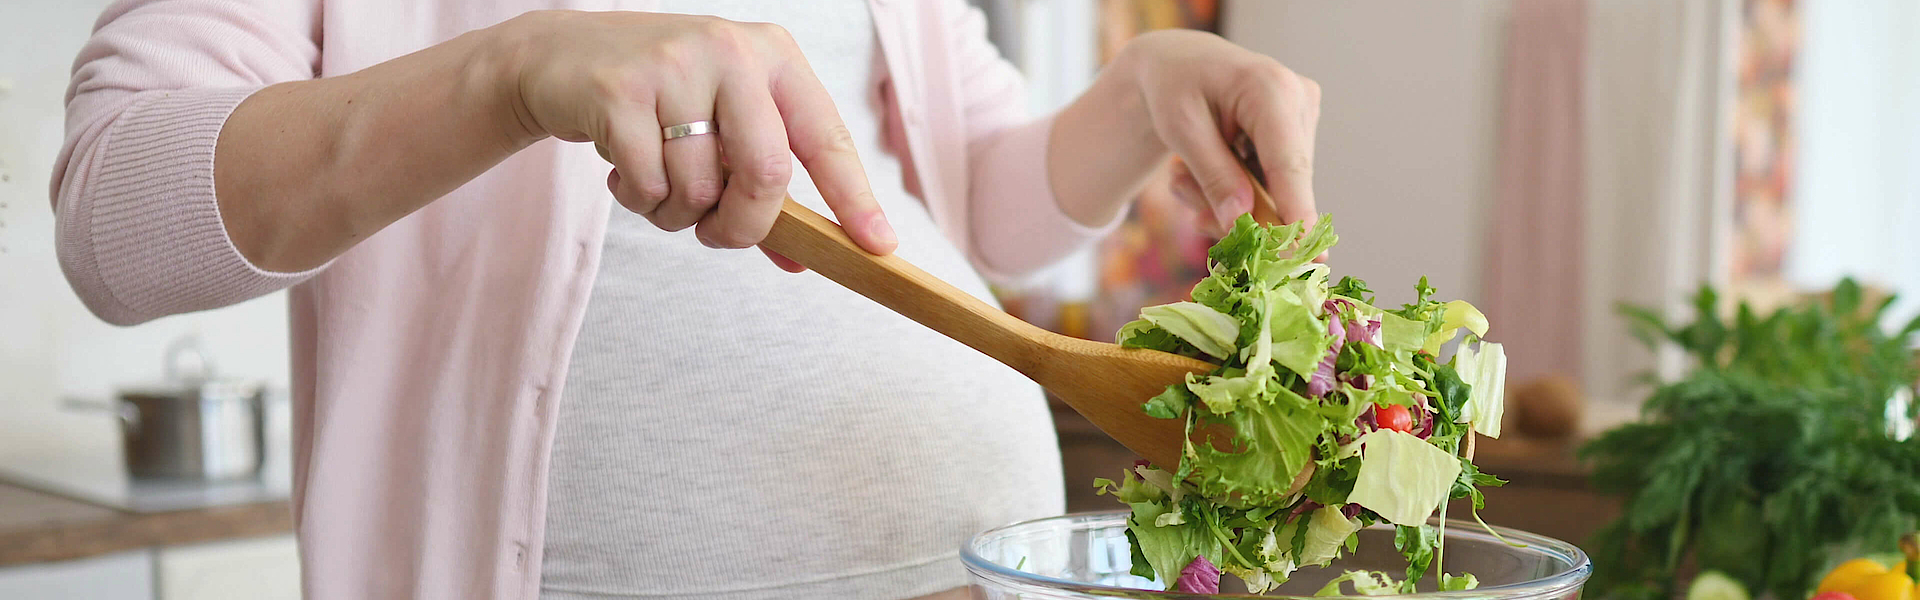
<point x="39" y="527"/>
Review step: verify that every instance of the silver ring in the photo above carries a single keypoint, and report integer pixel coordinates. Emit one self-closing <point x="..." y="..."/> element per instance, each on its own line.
<point x="686" y="129"/>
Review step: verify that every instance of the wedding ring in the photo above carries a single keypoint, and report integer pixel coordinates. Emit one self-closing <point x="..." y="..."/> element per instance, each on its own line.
<point x="686" y="129"/>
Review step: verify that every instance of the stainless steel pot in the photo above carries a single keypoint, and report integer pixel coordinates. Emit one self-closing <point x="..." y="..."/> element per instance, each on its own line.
<point x="194" y="425"/>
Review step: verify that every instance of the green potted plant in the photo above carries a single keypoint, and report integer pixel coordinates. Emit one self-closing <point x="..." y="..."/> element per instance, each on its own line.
<point x="1779" y="451"/>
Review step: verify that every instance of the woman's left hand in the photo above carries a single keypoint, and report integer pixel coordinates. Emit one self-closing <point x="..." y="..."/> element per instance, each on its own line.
<point x="1190" y="93"/>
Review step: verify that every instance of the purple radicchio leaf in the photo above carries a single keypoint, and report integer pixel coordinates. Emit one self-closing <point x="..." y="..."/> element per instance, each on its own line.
<point x="1200" y="577"/>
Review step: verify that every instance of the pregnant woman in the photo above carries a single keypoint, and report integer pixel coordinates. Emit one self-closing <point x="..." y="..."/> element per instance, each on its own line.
<point x="512" y="377"/>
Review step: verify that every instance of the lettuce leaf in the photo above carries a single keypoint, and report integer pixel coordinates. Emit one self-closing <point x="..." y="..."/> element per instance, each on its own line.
<point x="1207" y="329"/>
<point x="1223" y="394"/>
<point x="1458" y="583"/>
<point x="1365" y="583"/>
<point x="1271" y="444"/>
<point x="1282" y="443"/>
<point x="1455" y="315"/>
<point x="1402" y="334"/>
<point x="1402" y="478"/>
<point x="1299" y="338"/>
<point x="1327" y="531"/>
<point x="1170" y="548"/>
<point x="1483" y="367"/>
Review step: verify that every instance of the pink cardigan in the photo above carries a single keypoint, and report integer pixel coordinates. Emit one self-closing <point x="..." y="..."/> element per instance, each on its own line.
<point x="428" y="359"/>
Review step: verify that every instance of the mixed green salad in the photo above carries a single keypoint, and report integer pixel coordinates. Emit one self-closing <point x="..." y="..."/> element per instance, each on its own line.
<point x="1327" y="414"/>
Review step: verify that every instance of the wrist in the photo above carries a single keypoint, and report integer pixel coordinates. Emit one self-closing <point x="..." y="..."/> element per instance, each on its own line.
<point x="496" y="63"/>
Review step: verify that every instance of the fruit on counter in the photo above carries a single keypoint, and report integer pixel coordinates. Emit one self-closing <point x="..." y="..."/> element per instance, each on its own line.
<point x="1546" y="408"/>
<point x="1869" y="579"/>
<point x="1714" y="585"/>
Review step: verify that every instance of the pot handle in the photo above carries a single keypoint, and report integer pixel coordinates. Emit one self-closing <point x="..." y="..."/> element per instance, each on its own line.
<point x="178" y="353"/>
<point x="128" y="413"/>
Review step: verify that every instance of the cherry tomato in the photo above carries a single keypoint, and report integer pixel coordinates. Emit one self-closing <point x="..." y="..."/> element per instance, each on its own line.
<point x="1395" y="417"/>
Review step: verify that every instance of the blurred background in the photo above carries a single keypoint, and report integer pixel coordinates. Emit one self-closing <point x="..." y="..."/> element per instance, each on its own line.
<point x="1543" y="159"/>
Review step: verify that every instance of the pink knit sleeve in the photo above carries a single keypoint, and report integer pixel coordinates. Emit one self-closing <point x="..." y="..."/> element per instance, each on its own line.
<point x="1017" y="224"/>
<point x="139" y="233"/>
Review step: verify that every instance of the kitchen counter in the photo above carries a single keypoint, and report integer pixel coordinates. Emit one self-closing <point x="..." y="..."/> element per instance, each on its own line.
<point x="41" y="527"/>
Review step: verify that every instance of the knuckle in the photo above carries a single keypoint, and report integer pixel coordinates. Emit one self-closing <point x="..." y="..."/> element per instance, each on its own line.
<point x="728" y="38"/>
<point x="652" y="191"/>
<point x="1268" y="75"/>
<point x="702" y="193"/>
<point x="612" y="84"/>
<point x="838" y="140"/>
<point x="1261" y="69"/>
<point x="1294" y="164"/>
<point x="775" y="33"/>
<point x="773" y="171"/>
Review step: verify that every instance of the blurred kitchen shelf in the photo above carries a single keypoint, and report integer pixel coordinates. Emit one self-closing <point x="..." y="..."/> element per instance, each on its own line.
<point x="103" y="480"/>
<point x="39" y="527"/>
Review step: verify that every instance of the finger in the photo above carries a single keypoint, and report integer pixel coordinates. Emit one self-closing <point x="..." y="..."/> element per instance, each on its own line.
<point x="1278" y="122"/>
<point x="785" y="264"/>
<point x="693" y="164"/>
<point x="821" y="141"/>
<point x="1186" y="189"/>
<point x="759" y="167"/>
<point x="639" y="178"/>
<point x="1189" y="129"/>
<point x="1311" y="121"/>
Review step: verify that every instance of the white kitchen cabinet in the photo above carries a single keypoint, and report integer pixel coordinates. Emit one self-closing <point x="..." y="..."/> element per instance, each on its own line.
<point x="250" y="569"/>
<point x="123" y="576"/>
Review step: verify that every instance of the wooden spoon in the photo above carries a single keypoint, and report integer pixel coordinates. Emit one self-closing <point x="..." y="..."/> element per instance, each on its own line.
<point x="1104" y="382"/>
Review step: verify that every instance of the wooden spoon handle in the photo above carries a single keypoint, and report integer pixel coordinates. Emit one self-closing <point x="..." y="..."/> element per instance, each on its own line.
<point x="820" y="244"/>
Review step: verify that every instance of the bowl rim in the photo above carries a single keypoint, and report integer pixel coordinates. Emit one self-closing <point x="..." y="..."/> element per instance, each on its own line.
<point x="1553" y="586"/>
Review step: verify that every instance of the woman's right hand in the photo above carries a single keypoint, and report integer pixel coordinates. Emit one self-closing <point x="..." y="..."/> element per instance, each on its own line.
<point x="617" y="78"/>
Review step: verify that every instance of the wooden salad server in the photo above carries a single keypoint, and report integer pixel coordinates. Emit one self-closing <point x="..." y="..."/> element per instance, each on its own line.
<point x="1104" y="382"/>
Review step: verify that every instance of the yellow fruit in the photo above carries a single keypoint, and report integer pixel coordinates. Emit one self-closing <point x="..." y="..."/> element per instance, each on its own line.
<point x="1884" y="586"/>
<point x="1849" y="574"/>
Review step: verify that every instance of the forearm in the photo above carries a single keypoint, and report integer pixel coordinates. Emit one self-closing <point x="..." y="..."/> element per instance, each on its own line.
<point x="304" y="170"/>
<point x="1103" y="149"/>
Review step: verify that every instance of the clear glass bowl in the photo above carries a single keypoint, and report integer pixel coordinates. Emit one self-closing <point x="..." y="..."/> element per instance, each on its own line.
<point x="1087" y="556"/>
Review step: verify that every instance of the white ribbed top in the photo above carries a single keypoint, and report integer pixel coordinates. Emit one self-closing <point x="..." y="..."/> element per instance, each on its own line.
<point x="733" y="431"/>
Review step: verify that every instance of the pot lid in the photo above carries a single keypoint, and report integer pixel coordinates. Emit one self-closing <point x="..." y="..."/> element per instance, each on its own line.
<point x="190" y="376"/>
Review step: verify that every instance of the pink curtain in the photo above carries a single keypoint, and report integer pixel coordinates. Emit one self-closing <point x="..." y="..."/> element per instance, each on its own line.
<point x="1536" y="243"/>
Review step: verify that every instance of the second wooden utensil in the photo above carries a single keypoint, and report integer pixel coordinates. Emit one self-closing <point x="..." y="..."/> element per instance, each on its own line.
<point x="1104" y="382"/>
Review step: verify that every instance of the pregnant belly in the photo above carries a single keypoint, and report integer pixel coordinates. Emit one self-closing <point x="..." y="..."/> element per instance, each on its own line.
<point x="811" y="435"/>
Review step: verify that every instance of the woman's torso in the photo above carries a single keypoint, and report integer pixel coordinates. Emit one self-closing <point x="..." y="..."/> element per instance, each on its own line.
<point x="731" y="430"/>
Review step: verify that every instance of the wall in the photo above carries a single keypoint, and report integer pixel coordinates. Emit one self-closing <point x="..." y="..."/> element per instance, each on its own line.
<point x="1856" y="198"/>
<point x="50" y="345"/>
<point x="1407" y="128"/>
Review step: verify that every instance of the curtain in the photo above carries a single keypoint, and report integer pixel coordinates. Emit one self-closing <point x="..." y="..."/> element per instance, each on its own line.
<point x="1537" y="239"/>
<point x="1658" y="173"/>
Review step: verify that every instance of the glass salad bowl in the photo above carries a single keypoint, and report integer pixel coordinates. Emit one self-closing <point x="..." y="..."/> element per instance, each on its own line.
<point x="1087" y="556"/>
